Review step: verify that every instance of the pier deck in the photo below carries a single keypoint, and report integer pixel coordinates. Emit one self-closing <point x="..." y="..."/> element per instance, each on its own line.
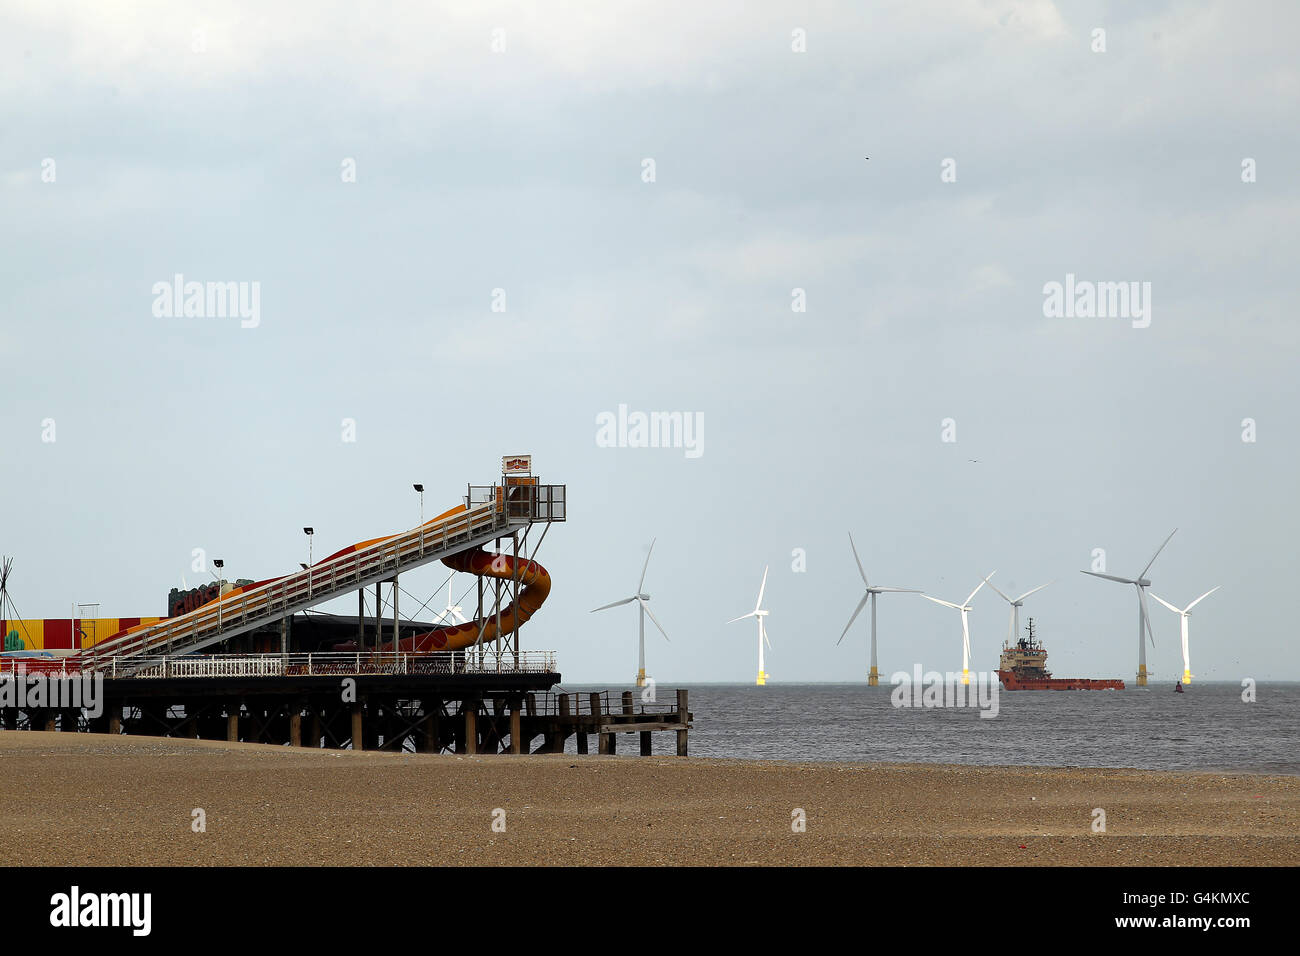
<point x="427" y="703"/>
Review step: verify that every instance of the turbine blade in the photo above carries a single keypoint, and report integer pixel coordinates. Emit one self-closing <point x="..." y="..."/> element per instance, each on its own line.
<point x="1156" y="555"/>
<point x="645" y="567"/>
<point x="606" y="607"/>
<point x="944" y="603"/>
<point x="1201" y="598"/>
<point x="761" y="588"/>
<point x="1146" y="614"/>
<point x="899" y="590"/>
<point x="861" y="604"/>
<point x="646" y="606"/>
<point x="1027" y="593"/>
<point x="1110" y="577"/>
<point x="995" y="588"/>
<point x="861" y="570"/>
<point x="1166" y="603"/>
<point x="742" y="617"/>
<point x="983" y="582"/>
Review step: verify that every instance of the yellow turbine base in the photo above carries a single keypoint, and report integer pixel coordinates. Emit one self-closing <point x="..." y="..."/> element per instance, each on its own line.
<point x="640" y="678"/>
<point x="965" y="677"/>
<point x="873" y="679"/>
<point x="1142" y="675"/>
<point x="762" y="678"/>
<point x="1187" y="677"/>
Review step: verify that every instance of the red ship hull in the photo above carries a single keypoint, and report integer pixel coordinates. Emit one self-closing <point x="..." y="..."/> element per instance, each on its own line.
<point x="1011" y="682"/>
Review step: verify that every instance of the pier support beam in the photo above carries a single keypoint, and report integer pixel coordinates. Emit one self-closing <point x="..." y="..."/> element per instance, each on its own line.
<point x="560" y="729"/>
<point x="232" y="725"/>
<point x="683" y="718"/>
<point x="516" y="728"/>
<point x="295" y="726"/>
<point x="645" y="743"/>
<point x="358" y="743"/>
<point x="429" y="736"/>
<point x="471" y="728"/>
<point x="315" y="729"/>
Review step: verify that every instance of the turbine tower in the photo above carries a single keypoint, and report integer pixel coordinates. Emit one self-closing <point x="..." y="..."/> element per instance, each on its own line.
<point x="758" y="613"/>
<point x="643" y="600"/>
<point x="1185" y="613"/>
<point x="453" y="613"/>
<point x="873" y="678"/>
<point x="1016" y="604"/>
<point x="1144" y="619"/>
<point x="965" y="608"/>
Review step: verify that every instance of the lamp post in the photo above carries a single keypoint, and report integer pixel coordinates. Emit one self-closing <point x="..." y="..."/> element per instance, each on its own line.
<point x="420" y="488"/>
<point x="309" y="532"/>
<point x="218" y="563"/>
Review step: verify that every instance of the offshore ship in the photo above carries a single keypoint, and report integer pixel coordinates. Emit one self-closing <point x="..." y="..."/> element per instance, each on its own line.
<point x="1023" y="667"/>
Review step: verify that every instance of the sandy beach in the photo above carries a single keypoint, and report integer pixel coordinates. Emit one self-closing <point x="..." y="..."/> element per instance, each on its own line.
<point x="96" y="800"/>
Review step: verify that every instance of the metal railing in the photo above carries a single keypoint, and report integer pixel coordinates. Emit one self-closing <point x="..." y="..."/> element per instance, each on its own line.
<point x="547" y="704"/>
<point x="33" y="666"/>
<point x="319" y="665"/>
<point x="238" y="613"/>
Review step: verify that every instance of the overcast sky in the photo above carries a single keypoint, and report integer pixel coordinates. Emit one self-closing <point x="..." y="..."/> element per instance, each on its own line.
<point x="504" y="147"/>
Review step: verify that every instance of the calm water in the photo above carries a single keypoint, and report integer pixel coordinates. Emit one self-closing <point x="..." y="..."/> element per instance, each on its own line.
<point x="1207" y="728"/>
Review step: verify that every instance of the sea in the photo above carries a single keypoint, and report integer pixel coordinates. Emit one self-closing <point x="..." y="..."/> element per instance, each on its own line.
<point x="1209" y="727"/>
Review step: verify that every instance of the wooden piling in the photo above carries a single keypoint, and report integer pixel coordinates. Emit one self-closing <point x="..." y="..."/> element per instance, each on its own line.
<point x="683" y="718"/>
<point x="358" y="739"/>
<point x="471" y="727"/>
<point x="516" y="728"/>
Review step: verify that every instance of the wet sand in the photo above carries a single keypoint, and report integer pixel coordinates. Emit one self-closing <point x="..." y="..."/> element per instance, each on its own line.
<point x="82" y="799"/>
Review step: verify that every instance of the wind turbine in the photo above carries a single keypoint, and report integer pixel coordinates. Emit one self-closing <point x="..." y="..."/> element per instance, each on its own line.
<point x="1144" y="619"/>
<point x="455" y="612"/>
<point x="965" y="608"/>
<point x="873" y="678"/>
<point x="643" y="600"/>
<point x="1016" y="604"/>
<point x="758" y="613"/>
<point x="1185" y="613"/>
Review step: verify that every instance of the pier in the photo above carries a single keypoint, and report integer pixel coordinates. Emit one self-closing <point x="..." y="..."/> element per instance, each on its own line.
<point x="425" y="703"/>
<point x="254" y="663"/>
